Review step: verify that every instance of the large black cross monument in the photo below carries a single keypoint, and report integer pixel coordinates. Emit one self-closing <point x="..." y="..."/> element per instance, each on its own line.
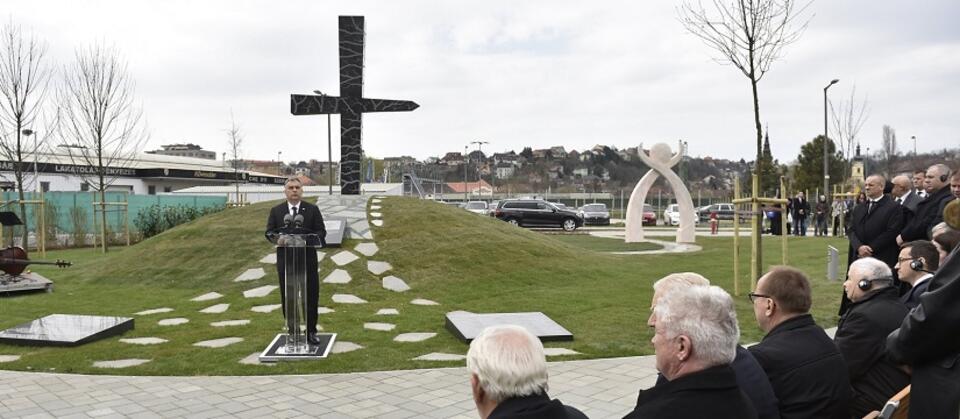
<point x="351" y="105"/>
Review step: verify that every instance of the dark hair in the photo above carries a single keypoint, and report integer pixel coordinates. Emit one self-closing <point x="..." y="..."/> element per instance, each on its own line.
<point x="790" y="288"/>
<point x="926" y="250"/>
<point x="920" y="171"/>
<point x="293" y="179"/>
<point x="948" y="240"/>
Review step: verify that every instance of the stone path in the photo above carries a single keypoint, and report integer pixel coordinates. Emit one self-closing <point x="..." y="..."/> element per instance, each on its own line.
<point x="668" y="246"/>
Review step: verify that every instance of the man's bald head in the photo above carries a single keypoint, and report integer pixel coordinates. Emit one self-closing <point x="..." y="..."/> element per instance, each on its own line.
<point x="901" y="185"/>
<point x="873" y="186"/>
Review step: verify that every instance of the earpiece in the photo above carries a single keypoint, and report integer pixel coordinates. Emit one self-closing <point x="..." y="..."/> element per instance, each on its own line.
<point x="864" y="284"/>
<point x="943" y="178"/>
<point x="916" y="265"/>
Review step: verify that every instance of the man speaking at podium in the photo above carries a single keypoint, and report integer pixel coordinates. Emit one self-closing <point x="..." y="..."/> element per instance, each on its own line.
<point x="313" y="221"/>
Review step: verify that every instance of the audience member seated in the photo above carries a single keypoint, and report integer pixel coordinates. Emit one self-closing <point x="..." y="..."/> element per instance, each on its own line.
<point x="508" y="376"/>
<point x="915" y="266"/>
<point x="862" y="333"/>
<point x="695" y="340"/>
<point x="806" y="370"/>
<point x="750" y="376"/>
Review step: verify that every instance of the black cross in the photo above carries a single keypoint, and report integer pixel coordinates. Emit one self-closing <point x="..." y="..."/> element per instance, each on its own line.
<point x="351" y="104"/>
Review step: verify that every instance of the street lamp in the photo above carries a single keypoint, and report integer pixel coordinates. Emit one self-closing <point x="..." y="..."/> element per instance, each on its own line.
<point x="826" y="173"/>
<point x="36" y="178"/>
<point x="329" y="146"/>
<point x="914" y="138"/>
<point x="278" y="163"/>
<point x="480" y="144"/>
<point x="466" y="160"/>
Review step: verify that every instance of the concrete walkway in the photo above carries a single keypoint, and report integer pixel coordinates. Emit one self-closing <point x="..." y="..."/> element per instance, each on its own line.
<point x="602" y="388"/>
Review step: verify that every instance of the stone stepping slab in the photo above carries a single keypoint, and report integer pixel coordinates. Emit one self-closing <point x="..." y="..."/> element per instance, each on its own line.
<point x="376" y="267"/>
<point x="439" y="356"/>
<point x="395" y="284"/>
<point x="251" y="275"/>
<point x="215" y="309"/>
<point x="376" y="201"/>
<point x="338" y="276"/>
<point x="424" y="302"/>
<point x="559" y="352"/>
<point x="207" y="297"/>
<point x="378" y="223"/>
<point x="265" y="308"/>
<point x="340" y="347"/>
<point x="259" y="291"/>
<point x="388" y="312"/>
<point x="254" y="359"/>
<point x="344" y="257"/>
<point x="325" y="310"/>
<point x="413" y="337"/>
<point x="348" y="299"/>
<point x="144" y="341"/>
<point x="120" y="363"/>
<point x="367" y="249"/>
<point x="381" y="327"/>
<point x="173" y="322"/>
<point x="218" y="343"/>
<point x="376" y="215"/>
<point x="9" y="358"/>
<point x="226" y="323"/>
<point x="153" y="311"/>
<point x="374" y="207"/>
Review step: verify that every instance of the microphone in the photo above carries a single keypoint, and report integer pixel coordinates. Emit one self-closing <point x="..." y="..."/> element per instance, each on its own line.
<point x="298" y="221"/>
<point x="287" y="219"/>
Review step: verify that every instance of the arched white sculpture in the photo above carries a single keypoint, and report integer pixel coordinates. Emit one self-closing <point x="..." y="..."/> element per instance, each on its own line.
<point x="660" y="161"/>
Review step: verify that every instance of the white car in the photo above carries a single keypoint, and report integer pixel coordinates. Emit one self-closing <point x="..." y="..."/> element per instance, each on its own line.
<point x="672" y="215"/>
<point x="477" y="207"/>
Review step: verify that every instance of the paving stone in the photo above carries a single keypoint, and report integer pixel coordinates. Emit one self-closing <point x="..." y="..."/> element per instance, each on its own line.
<point x="325" y="310"/>
<point x="265" y="308"/>
<point x="254" y="359"/>
<point x="439" y="356"/>
<point x="424" y="302"/>
<point x="120" y="363"/>
<point x="218" y="343"/>
<point x="207" y="297"/>
<point x="259" y="291"/>
<point x="413" y="337"/>
<point x="271" y="259"/>
<point x="173" y="322"/>
<point x="559" y="352"/>
<point x="320" y="255"/>
<point x="226" y="323"/>
<point x="144" y="341"/>
<point x="360" y="225"/>
<point x="387" y="312"/>
<point x="368" y="235"/>
<point x="153" y="311"/>
<point x="382" y="327"/>
<point x="9" y="358"/>
<point x="341" y="346"/>
<point x="216" y="308"/>
<point x="376" y="215"/>
<point x="338" y="276"/>
<point x="376" y="267"/>
<point x="375" y="207"/>
<point x="378" y="223"/>
<point x="251" y="274"/>
<point x="375" y="201"/>
<point x="393" y="283"/>
<point x="367" y="249"/>
<point x="348" y="299"/>
<point x="344" y="257"/>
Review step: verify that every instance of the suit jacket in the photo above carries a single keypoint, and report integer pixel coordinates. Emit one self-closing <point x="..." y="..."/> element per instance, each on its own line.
<point x="861" y="338"/>
<point x="798" y="205"/>
<point x="912" y="298"/>
<point x="806" y="370"/>
<point x="910" y="203"/>
<point x="538" y="406"/>
<point x="878" y="230"/>
<point x="711" y="393"/>
<point x="312" y="220"/>
<point x="929" y="213"/>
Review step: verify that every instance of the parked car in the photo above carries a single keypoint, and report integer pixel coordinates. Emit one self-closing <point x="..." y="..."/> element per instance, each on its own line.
<point x="649" y="215"/>
<point x="671" y="215"/>
<point x="536" y="213"/>
<point x="724" y="211"/>
<point x="595" y="214"/>
<point x="477" y="207"/>
<point x="492" y="206"/>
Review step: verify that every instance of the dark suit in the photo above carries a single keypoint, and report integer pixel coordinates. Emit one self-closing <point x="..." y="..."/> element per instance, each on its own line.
<point x="910" y="203"/>
<point x="711" y="393"/>
<point x="861" y="337"/>
<point x="800" y="210"/>
<point x="313" y="221"/>
<point x="534" y="407"/>
<point x="912" y="298"/>
<point x="928" y="341"/>
<point x="806" y="370"/>
<point x="929" y="213"/>
<point x="879" y="230"/>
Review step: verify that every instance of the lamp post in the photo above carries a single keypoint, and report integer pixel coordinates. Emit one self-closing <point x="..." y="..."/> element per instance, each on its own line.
<point x="36" y="178"/>
<point x="480" y="144"/>
<point x="466" y="160"/>
<point x="329" y="147"/>
<point x="826" y="165"/>
<point x="278" y="163"/>
<point x="914" y="138"/>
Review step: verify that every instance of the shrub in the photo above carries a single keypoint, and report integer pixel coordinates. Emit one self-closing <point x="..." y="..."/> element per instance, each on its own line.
<point x="156" y="219"/>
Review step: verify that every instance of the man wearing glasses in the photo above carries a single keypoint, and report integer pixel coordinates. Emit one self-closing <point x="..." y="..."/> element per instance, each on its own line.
<point x="915" y="265"/>
<point x="807" y="372"/>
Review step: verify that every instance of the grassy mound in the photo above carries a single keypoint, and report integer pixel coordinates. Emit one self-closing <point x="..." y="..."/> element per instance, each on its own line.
<point x="458" y="259"/>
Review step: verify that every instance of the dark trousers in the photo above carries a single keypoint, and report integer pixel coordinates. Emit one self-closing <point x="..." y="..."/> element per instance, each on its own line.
<point x="313" y="287"/>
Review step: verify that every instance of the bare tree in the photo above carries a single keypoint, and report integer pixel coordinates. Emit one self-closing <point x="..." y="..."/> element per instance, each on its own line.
<point x="101" y="125"/>
<point x="234" y="143"/>
<point x="748" y="34"/>
<point x="24" y="77"/>
<point x="848" y="118"/>
<point x="888" y="150"/>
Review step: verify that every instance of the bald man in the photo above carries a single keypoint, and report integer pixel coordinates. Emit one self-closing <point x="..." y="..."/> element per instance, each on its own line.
<point x="929" y="211"/>
<point x="903" y="193"/>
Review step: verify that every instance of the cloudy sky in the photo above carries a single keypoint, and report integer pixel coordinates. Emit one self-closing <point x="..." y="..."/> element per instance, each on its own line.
<point x="512" y="73"/>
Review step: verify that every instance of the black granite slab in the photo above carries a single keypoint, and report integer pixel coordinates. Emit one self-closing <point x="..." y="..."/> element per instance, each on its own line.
<point x="466" y="326"/>
<point x="65" y="330"/>
<point x="276" y="351"/>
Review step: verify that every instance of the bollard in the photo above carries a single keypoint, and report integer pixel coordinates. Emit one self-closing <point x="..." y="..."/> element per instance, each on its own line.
<point x="833" y="259"/>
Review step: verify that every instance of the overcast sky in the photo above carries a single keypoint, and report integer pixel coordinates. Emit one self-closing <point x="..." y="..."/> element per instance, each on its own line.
<point x="513" y="73"/>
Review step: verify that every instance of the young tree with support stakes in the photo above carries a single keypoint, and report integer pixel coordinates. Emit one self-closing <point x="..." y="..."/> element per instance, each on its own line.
<point x="101" y="126"/>
<point x="848" y="118"/>
<point x="24" y="77"/>
<point x="234" y="143"/>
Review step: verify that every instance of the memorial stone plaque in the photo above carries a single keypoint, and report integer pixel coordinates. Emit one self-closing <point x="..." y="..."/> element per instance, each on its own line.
<point x="65" y="330"/>
<point x="466" y="326"/>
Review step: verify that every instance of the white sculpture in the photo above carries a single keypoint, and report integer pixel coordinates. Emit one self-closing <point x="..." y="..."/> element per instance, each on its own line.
<point x="660" y="161"/>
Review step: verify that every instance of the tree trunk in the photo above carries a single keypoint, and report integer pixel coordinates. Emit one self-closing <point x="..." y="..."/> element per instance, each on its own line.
<point x="18" y="173"/>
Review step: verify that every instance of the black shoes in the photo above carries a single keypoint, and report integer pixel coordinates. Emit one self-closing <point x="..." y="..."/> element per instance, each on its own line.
<point x="313" y="339"/>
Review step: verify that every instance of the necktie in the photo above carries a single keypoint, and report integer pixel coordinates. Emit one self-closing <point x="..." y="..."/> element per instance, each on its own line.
<point x="900" y="201"/>
<point x="870" y="207"/>
<point x="293" y="210"/>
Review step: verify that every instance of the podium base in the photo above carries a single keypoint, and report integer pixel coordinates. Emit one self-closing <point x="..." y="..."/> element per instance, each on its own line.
<point x="277" y="350"/>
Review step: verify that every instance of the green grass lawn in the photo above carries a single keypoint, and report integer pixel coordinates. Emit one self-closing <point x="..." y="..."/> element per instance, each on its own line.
<point x="462" y="261"/>
<point x="604" y="244"/>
